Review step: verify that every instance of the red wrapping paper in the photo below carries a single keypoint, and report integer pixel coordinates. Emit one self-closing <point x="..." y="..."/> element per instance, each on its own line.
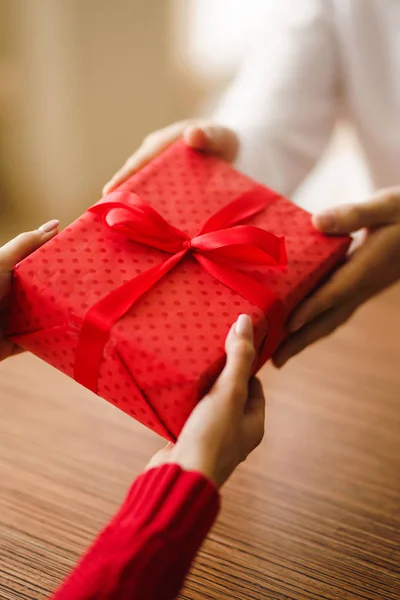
<point x="166" y="351"/>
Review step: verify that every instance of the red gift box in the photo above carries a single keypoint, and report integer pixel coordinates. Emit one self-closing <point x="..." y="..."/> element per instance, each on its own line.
<point x="135" y="298"/>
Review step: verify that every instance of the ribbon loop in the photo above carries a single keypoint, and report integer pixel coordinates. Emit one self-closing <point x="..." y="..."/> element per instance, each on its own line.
<point x="243" y="244"/>
<point x="247" y="205"/>
<point x="125" y="213"/>
<point x="220" y="246"/>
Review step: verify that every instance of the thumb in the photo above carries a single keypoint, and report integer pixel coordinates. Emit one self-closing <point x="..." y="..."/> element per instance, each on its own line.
<point x="233" y="383"/>
<point x="382" y="209"/>
<point x="25" y="243"/>
<point x="213" y="139"/>
<point x="152" y="146"/>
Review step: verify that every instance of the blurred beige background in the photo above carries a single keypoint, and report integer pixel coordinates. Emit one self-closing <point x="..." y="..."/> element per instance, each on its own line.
<point x="83" y="81"/>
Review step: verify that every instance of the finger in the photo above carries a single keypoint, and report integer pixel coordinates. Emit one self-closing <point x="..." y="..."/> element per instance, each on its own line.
<point x="382" y="209"/>
<point x="161" y="457"/>
<point x="9" y="349"/>
<point x="349" y="281"/>
<point x="213" y="139"/>
<point x="6" y="347"/>
<point x="256" y="399"/>
<point x="233" y="382"/>
<point x="16" y="350"/>
<point x="253" y="424"/>
<point x="152" y="146"/>
<point x="371" y="268"/>
<point x="25" y="243"/>
<point x="314" y="331"/>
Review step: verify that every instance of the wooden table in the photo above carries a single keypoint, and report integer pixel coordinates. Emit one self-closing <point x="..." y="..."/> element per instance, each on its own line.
<point x="315" y="512"/>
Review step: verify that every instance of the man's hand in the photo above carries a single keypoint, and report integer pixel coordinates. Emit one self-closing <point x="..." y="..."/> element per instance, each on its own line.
<point x="228" y="424"/>
<point x="11" y="254"/>
<point x="371" y="268"/>
<point x="205" y="137"/>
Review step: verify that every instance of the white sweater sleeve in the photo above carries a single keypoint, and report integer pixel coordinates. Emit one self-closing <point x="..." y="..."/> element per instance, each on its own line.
<point x="282" y="103"/>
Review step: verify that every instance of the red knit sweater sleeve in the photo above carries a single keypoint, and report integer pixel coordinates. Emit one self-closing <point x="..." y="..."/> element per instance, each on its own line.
<point x="146" y="550"/>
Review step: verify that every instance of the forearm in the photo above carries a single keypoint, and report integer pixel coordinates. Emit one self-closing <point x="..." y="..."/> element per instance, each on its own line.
<point x="282" y="102"/>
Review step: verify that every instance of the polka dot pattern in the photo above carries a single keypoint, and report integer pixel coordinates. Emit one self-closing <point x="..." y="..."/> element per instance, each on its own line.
<point x="170" y="345"/>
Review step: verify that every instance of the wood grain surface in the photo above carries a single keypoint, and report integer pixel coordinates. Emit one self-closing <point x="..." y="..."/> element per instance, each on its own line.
<point x="314" y="513"/>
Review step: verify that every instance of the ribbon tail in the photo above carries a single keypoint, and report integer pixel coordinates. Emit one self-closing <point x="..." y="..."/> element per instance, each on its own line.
<point x="275" y="333"/>
<point x="254" y="292"/>
<point x="101" y="317"/>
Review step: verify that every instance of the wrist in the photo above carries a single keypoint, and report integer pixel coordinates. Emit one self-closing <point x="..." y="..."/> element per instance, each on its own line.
<point x="216" y="471"/>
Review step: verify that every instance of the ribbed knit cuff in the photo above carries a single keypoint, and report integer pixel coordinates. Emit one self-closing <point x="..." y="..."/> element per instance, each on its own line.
<point x="147" y="549"/>
<point x="182" y="503"/>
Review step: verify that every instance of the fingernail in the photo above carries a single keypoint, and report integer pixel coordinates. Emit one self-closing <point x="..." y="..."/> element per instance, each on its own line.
<point x="326" y="221"/>
<point x="191" y="135"/>
<point x="49" y="226"/>
<point x="244" y="327"/>
<point x="208" y="131"/>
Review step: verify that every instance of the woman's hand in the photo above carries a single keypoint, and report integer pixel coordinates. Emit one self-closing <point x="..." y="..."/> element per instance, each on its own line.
<point x="371" y="268"/>
<point x="228" y="423"/>
<point x="207" y="137"/>
<point x="11" y="254"/>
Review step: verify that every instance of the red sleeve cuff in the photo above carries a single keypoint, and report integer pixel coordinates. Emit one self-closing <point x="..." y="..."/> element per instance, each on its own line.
<point x="171" y="498"/>
<point x="147" y="548"/>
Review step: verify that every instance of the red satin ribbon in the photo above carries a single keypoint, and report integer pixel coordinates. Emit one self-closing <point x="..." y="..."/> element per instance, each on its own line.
<point x="220" y="247"/>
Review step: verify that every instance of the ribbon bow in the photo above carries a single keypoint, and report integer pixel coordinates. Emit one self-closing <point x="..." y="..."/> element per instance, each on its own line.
<point x="220" y="247"/>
